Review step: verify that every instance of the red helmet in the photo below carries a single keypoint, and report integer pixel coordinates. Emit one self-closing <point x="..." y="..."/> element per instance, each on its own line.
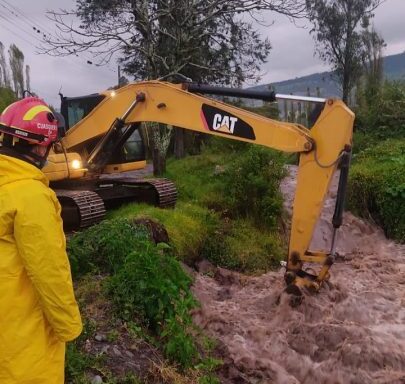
<point x="30" y="119"/>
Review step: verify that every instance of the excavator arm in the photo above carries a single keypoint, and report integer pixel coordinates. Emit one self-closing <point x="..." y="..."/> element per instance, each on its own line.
<point x="321" y="150"/>
<point x="172" y="105"/>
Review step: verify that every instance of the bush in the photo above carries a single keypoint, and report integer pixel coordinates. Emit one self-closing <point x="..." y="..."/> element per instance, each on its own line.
<point x="362" y="141"/>
<point x="377" y="186"/>
<point x="252" y="184"/>
<point x="103" y="247"/>
<point x="147" y="284"/>
<point x="237" y="178"/>
<point x="381" y="115"/>
<point x="152" y="286"/>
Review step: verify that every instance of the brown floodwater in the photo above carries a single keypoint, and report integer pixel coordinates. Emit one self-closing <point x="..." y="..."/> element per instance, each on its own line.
<point x="352" y="331"/>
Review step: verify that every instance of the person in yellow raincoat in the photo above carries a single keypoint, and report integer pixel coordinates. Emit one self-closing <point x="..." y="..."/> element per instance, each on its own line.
<point x="38" y="310"/>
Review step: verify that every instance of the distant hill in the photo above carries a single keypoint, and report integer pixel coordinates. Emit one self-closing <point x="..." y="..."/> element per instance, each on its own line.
<point x="394" y="66"/>
<point x="394" y="69"/>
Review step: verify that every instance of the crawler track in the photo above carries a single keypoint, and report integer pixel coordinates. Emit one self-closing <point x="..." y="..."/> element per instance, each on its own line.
<point x="80" y="209"/>
<point x="84" y="203"/>
<point x="165" y="192"/>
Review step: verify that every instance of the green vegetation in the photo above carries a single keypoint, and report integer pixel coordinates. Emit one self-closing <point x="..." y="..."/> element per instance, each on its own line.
<point x="377" y="186"/>
<point x="147" y="287"/>
<point x="7" y="97"/>
<point x="380" y="115"/>
<point x="153" y="285"/>
<point x="102" y="248"/>
<point x="188" y="225"/>
<point x="77" y="360"/>
<point x="377" y="179"/>
<point x="239" y="245"/>
<point x="229" y="206"/>
<point x="251" y="186"/>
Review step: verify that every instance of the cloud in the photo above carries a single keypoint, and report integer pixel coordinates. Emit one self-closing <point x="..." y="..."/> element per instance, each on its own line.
<point x="293" y="50"/>
<point x="50" y="74"/>
<point x="293" y="46"/>
<point x="292" y="54"/>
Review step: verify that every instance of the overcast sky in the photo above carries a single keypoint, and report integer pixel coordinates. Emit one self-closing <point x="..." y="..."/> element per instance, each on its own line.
<point x="292" y="54"/>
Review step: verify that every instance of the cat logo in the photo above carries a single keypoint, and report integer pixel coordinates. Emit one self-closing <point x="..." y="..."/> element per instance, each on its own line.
<point x="220" y="121"/>
<point x="224" y="123"/>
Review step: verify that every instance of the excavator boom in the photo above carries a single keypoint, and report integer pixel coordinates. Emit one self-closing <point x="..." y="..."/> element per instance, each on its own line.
<point x="172" y="105"/>
<point x="321" y="149"/>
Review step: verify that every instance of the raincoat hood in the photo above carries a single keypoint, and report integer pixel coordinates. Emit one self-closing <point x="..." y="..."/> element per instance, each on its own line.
<point x="12" y="169"/>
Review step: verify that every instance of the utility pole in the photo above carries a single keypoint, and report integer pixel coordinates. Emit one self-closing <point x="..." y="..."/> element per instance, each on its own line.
<point x="119" y="76"/>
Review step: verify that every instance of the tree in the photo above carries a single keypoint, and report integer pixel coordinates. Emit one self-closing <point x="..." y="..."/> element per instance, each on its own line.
<point x="161" y="37"/>
<point x="16" y="58"/>
<point x="338" y="26"/>
<point x="4" y="77"/>
<point x="374" y="112"/>
<point x="207" y="41"/>
<point x="28" y="78"/>
<point x="372" y="64"/>
<point x="16" y="61"/>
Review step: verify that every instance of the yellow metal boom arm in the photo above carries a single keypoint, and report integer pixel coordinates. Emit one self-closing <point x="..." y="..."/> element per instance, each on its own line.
<point x="320" y="148"/>
<point x="169" y="104"/>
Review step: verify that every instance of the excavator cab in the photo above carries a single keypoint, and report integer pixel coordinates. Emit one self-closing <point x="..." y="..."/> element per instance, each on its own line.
<point x="74" y="109"/>
<point x="131" y="152"/>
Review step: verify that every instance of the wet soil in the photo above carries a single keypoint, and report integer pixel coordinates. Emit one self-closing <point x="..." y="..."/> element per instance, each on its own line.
<point x="352" y="331"/>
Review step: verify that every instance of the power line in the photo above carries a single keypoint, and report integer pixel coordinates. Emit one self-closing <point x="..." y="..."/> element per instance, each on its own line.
<point x="30" y="43"/>
<point x="21" y="13"/>
<point x="32" y="20"/>
<point x="19" y="28"/>
<point x="16" y="34"/>
<point x="16" y="27"/>
<point x="19" y="18"/>
<point x="13" y="32"/>
<point x="89" y="60"/>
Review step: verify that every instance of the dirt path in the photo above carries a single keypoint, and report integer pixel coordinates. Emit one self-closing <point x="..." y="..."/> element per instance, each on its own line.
<point x="353" y="331"/>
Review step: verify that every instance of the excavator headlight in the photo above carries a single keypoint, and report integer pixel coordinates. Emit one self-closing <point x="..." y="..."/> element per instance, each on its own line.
<point x="76" y="164"/>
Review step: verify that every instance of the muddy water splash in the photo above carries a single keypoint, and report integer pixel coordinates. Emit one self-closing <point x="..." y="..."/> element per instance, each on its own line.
<point x="353" y="331"/>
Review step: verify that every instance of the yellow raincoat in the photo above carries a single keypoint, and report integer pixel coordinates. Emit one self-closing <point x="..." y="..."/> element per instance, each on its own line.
<point x="38" y="311"/>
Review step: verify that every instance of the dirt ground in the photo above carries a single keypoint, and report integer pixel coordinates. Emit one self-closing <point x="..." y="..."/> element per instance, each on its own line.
<point x="353" y="331"/>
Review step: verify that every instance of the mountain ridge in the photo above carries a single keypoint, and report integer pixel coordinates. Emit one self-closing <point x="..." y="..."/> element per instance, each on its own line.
<point x="394" y="69"/>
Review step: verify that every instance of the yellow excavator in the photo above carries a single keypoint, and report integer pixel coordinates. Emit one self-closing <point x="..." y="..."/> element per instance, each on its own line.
<point x="82" y="184"/>
<point x="102" y="136"/>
